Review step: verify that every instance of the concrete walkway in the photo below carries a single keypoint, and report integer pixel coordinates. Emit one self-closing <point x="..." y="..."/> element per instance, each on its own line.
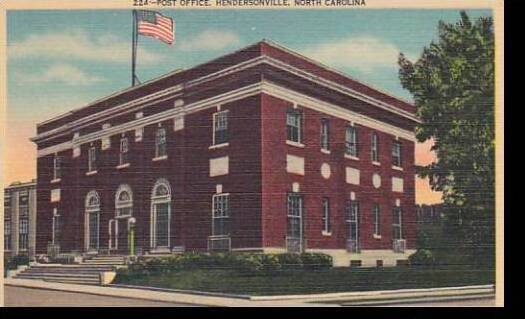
<point x="143" y="294"/>
<point x="316" y="300"/>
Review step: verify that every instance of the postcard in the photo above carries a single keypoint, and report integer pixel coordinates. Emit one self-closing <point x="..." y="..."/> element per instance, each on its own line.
<point x="250" y="153"/>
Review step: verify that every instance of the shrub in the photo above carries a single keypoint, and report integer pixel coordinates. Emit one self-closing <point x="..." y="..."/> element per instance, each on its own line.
<point x="290" y="261"/>
<point x="316" y="261"/>
<point x="271" y="262"/>
<point x="422" y="257"/>
<point x="242" y="262"/>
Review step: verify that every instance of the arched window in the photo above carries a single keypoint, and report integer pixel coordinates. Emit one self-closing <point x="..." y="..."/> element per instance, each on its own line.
<point x="160" y="214"/>
<point x="92" y="220"/>
<point x="124" y="201"/>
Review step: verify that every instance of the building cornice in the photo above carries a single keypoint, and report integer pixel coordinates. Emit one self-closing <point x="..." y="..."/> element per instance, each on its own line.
<point x="171" y="92"/>
<point x="264" y="86"/>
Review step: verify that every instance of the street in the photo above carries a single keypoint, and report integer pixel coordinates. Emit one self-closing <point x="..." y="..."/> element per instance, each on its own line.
<point x="28" y="297"/>
<point x="31" y="297"/>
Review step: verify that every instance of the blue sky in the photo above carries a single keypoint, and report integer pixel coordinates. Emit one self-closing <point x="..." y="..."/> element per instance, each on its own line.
<point x="64" y="59"/>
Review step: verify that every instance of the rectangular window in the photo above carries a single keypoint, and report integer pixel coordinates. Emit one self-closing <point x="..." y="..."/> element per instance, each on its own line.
<point x="92" y="159"/>
<point x="351" y="141"/>
<point x="352" y="218"/>
<point x="7" y="234"/>
<point x="56" y="227"/>
<point x="221" y="215"/>
<point x="327" y="227"/>
<point x="396" y="154"/>
<point x="377" y="220"/>
<point x="396" y="223"/>
<point x="294" y="126"/>
<point x="7" y="200"/>
<point x="374" y="148"/>
<point x="295" y="214"/>
<point x="220" y="127"/>
<point x="57" y="167"/>
<point x="160" y="142"/>
<point x="123" y="159"/>
<point x="325" y="134"/>
<point x="23" y="198"/>
<point x="23" y="232"/>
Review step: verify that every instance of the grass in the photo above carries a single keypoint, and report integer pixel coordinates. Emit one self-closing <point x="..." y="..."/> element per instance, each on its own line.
<point x="309" y="282"/>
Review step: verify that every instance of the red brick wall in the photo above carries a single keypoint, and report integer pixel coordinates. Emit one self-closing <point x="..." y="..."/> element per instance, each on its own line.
<point x="277" y="182"/>
<point x="187" y="170"/>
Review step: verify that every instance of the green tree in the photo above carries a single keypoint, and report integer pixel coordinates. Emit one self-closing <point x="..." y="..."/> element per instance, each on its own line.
<point x="453" y="88"/>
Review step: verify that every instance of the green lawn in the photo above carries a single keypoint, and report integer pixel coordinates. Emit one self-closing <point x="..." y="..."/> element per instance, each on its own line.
<point x="301" y="282"/>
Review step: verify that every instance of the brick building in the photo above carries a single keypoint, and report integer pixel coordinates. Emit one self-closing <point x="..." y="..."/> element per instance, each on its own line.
<point x="20" y="218"/>
<point x="259" y="150"/>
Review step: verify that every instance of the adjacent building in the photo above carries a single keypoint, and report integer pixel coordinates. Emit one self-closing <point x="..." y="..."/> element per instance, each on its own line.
<point x="20" y="218"/>
<point x="262" y="150"/>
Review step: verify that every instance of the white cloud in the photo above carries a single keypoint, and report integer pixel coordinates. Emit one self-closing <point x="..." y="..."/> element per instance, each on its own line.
<point x="211" y="40"/>
<point x="79" y="46"/>
<point x="61" y="73"/>
<point x="361" y="53"/>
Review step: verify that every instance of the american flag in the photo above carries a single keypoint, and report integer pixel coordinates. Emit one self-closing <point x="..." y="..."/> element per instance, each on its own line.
<point x="154" y="24"/>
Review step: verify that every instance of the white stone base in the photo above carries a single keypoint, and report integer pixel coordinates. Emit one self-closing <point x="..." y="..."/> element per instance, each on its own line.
<point x="342" y="258"/>
<point x="368" y="258"/>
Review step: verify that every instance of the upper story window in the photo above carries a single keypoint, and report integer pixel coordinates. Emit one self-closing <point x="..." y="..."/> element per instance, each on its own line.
<point x="325" y="134"/>
<point x="160" y="142"/>
<point x="23" y="198"/>
<point x="396" y="153"/>
<point x="377" y="219"/>
<point x="351" y="141"/>
<point x="7" y="200"/>
<point x="396" y="223"/>
<point x="221" y="215"/>
<point x="124" y="149"/>
<point x="57" y="167"/>
<point x="374" y="148"/>
<point x="294" y="126"/>
<point x="327" y="227"/>
<point x="92" y="159"/>
<point x="220" y="127"/>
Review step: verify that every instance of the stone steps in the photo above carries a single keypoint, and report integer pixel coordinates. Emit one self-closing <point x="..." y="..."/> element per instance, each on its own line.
<point x="87" y="272"/>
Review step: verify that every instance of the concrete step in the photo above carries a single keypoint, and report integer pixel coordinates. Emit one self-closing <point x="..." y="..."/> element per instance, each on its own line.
<point x="95" y="281"/>
<point x="69" y="269"/>
<point x="48" y="274"/>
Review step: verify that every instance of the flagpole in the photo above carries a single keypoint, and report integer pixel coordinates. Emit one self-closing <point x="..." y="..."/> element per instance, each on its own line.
<point x="134" y="48"/>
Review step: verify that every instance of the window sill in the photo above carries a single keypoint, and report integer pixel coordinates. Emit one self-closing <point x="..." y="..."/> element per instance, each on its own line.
<point x="351" y="157"/>
<point x="218" y="146"/>
<point x="376" y="163"/>
<point x="325" y="151"/>
<point x="397" y="168"/>
<point x="377" y="236"/>
<point x="91" y="173"/>
<point x="296" y="144"/>
<point x="325" y="233"/>
<point x="56" y="180"/>
<point x="160" y="158"/>
<point x="121" y="166"/>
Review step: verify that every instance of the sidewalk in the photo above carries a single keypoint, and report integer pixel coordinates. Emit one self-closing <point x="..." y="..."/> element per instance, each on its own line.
<point x="314" y="300"/>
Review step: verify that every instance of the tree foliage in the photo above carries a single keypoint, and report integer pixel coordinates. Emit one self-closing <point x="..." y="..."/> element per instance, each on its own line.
<point x="453" y="88"/>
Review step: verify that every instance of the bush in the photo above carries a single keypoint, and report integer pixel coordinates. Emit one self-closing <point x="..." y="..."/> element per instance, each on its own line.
<point x="422" y="257"/>
<point x="241" y="262"/>
<point x="290" y="261"/>
<point x="316" y="261"/>
<point x="12" y="263"/>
